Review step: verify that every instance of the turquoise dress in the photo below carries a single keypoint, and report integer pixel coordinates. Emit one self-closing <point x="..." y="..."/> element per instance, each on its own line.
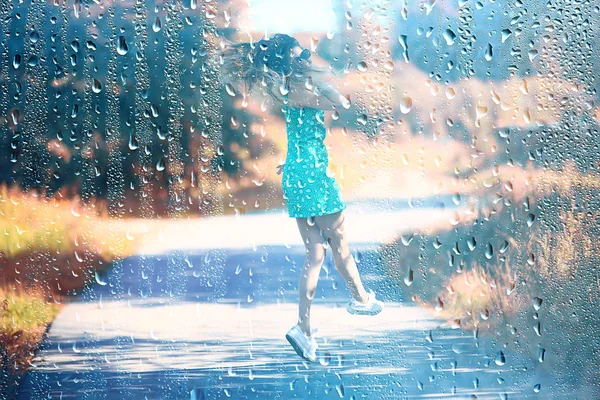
<point x="308" y="189"/>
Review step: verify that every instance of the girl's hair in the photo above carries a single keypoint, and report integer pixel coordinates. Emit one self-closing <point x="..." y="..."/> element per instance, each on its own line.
<point x="269" y="62"/>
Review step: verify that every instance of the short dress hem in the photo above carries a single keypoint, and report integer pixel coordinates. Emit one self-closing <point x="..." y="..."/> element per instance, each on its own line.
<point x="325" y="212"/>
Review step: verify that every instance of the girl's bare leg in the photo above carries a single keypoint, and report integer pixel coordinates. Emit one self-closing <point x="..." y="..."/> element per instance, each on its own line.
<point x="332" y="226"/>
<point x="309" y="277"/>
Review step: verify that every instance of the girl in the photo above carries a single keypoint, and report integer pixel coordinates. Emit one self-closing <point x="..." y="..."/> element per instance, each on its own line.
<point x="284" y="70"/>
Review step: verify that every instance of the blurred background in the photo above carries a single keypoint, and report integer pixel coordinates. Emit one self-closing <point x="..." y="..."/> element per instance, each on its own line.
<point x="115" y="121"/>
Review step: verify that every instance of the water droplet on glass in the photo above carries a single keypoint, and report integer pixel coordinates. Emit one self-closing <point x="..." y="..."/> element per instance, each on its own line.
<point x="530" y="219"/>
<point x="325" y="358"/>
<point x="541" y="354"/>
<point x="439" y="304"/>
<point x="122" y="48"/>
<point x="284" y="89"/>
<point x="157" y="25"/>
<point x="489" y="52"/>
<point x="471" y="243"/>
<point x="538" y="328"/>
<point x="406" y="239"/>
<point x="489" y="252"/>
<point x="230" y="89"/>
<point x="449" y="36"/>
<point x="96" y="86"/>
<point x="532" y="54"/>
<point x="408" y="279"/>
<point x="405" y="104"/>
<point x="160" y="165"/>
<point x="99" y="280"/>
<point x="346" y="103"/>
<point x="340" y="390"/>
<point x="500" y="358"/>
<point x="34" y="36"/>
<point x="16" y="61"/>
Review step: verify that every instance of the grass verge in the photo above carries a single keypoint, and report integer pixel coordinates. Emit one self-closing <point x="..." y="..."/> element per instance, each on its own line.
<point x="50" y="248"/>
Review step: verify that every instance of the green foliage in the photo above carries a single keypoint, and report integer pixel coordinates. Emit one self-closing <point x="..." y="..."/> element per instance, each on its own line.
<point x="20" y="312"/>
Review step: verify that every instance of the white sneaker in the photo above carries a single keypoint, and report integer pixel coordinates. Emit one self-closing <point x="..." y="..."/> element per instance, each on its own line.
<point x="371" y="307"/>
<point x="305" y="346"/>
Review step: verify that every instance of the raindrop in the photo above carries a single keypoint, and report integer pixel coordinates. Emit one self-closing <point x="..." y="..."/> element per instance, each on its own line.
<point x="405" y="104"/>
<point x="429" y="337"/>
<point x="505" y="34"/>
<point x="16" y="61"/>
<point x="346" y="103"/>
<point x="230" y="89"/>
<point x="99" y="279"/>
<point x="408" y="280"/>
<point x="122" y="48"/>
<point x="481" y="111"/>
<point x="14" y="116"/>
<point x="489" y="252"/>
<point x="32" y="62"/>
<point x="133" y="144"/>
<point x="210" y="14"/>
<point x="340" y="390"/>
<point x="96" y="86"/>
<point x="538" y="328"/>
<point x="541" y="354"/>
<point x="530" y="219"/>
<point x="471" y="243"/>
<point x="537" y="388"/>
<point x="449" y="36"/>
<point x="537" y="303"/>
<point x="489" y="52"/>
<point x="439" y="304"/>
<point x="283" y="89"/>
<point x="34" y="36"/>
<point x="157" y="25"/>
<point x="406" y="239"/>
<point x="362" y="66"/>
<point x="485" y="314"/>
<point x="532" y="54"/>
<point x="325" y="358"/>
<point x="500" y="358"/>
<point x="160" y="165"/>
<point x="429" y="6"/>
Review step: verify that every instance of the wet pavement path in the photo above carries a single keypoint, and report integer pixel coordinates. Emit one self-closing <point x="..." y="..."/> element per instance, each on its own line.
<point x="211" y="324"/>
